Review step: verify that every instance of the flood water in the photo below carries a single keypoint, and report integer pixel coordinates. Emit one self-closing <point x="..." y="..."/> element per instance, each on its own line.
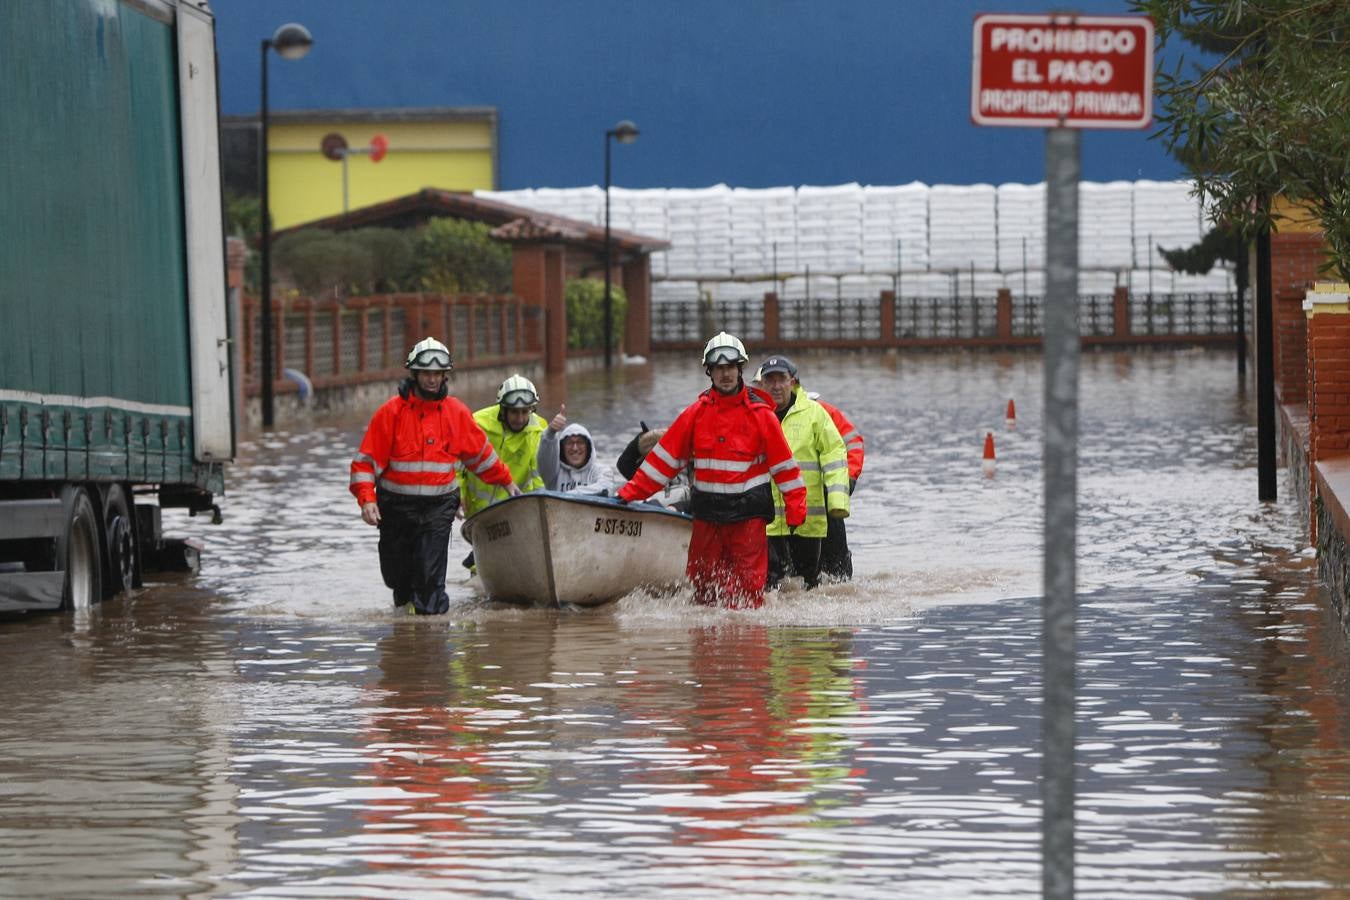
<point x="273" y="728"/>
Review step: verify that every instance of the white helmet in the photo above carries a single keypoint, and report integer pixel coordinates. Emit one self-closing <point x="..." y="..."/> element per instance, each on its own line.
<point x="517" y="391"/>
<point x="724" y="348"/>
<point x="429" y="355"/>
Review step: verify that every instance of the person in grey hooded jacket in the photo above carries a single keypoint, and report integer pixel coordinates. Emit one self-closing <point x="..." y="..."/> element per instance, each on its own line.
<point x="567" y="459"/>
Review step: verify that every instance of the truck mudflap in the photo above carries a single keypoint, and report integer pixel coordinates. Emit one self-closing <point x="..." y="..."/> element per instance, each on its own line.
<point x="191" y="498"/>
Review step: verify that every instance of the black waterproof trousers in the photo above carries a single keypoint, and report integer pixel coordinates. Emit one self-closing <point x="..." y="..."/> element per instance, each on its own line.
<point x="836" y="561"/>
<point x="414" y="544"/>
<point x="792" y="555"/>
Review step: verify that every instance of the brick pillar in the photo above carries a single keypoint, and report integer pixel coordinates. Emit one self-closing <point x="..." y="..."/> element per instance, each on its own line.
<point x="637" y="286"/>
<point x="311" y="317"/>
<point x="470" y="304"/>
<point x="1120" y="312"/>
<point x="1328" y="380"/>
<point x="1328" y="373"/>
<point x="363" y="336"/>
<point x="887" y="336"/>
<point x="278" y="313"/>
<point x="1295" y="260"/>
<point x="771" y="324"/>
<point x="1003" y="314"/>
<point x="527" y="281"/>
<point x="555" y="311"/>
<point x="411" y="304"/>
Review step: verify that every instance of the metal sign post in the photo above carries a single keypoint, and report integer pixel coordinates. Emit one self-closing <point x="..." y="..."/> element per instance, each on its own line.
<point x="1059" y="615"/>
<point x="1062" y="73"/>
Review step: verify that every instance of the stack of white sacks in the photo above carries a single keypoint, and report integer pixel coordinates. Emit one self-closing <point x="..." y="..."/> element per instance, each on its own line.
<point x="734" y="242"/>
<point x="1105" y="233"/>
<point x="1166" y="215"/>
<point x="1021" y="236"/>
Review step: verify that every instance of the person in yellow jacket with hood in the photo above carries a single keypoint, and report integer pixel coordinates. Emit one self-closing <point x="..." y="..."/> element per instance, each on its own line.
<point x="823" y="460"/>
<point x="514" y="431"/>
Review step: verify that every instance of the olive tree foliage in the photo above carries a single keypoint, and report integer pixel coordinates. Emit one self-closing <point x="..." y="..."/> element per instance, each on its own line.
<point x="1270" y="117"/>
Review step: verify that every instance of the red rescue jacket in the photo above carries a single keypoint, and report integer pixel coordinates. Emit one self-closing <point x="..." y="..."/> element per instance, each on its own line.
<point x="412" y="446"/>
<point x="736" y="446"/>
<point x="853" y="439"/>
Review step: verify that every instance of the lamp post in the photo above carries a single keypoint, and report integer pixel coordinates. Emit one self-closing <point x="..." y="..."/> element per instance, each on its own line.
<point x="625" y="133"/>
<point x="291" y="41"/>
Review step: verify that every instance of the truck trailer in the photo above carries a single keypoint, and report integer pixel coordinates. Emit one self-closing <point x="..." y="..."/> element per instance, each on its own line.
<point x="115" y="381"/>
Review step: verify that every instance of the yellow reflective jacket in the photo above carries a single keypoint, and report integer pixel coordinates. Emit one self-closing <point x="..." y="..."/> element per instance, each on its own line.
<point x="518" y="449"/>
<point x="823" y="460"/>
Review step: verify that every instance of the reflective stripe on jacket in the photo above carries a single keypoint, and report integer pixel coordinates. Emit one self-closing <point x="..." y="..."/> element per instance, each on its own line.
<point x="519" y="450"/>
<point x="853" y="439"/>
<point x="414" y="446"/>
<point x="820" y="454"/>
<point x="738" y="451"/>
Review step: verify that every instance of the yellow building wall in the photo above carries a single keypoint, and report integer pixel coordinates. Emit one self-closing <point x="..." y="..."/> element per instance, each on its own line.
<point x="304" y="185"/>
<point x="1293" y="217"/>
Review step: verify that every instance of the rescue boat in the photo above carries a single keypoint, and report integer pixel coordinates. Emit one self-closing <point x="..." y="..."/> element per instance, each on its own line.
<point x="556" y="549"/>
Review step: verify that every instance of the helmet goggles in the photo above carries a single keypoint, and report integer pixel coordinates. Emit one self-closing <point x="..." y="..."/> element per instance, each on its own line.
<point x="519" y="399"/>
<point x="432" y="360"/>
<point x="723" y="356"/>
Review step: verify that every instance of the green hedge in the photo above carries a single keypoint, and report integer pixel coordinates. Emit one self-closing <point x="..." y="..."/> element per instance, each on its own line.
<point x="586" y="313"/>
<point x="448" y="256"/>
<point x="458" y="257"/>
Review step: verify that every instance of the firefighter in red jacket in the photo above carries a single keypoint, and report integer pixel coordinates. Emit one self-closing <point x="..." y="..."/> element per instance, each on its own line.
<point x="733" y="439"/>
<point x="403" y="477"/>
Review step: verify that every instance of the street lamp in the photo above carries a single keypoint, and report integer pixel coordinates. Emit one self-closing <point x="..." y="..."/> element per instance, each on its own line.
<point x="291" y="41"/>
<point x="625" y="133"/>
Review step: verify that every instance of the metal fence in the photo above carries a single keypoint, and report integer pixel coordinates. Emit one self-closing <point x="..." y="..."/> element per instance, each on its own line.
<point x="835" y="319"/>
<point x="945" y="318"/>
<point x="366" y="338"/>
<point x="1003" y="318"/>
<point x="1179" y="314"/>
<point x="695" y="320"/>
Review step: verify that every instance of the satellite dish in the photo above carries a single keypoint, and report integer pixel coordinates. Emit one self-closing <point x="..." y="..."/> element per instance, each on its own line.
<point x="333" y="146"/>
<point x="379" y="146"/>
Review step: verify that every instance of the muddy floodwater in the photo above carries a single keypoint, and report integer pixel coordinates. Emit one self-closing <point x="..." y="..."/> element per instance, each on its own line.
<point x="274" y="728"/>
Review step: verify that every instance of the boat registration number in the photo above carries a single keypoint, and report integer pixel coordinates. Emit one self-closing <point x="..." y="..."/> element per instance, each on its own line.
<point x="623" y="527"/>
<point x="497" y="530"/>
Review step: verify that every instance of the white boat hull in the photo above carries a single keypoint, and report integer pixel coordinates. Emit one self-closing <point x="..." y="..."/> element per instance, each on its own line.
<point x="552" y="549"/>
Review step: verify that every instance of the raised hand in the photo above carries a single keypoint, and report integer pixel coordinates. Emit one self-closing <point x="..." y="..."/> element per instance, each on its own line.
<point x="559" y="422"/>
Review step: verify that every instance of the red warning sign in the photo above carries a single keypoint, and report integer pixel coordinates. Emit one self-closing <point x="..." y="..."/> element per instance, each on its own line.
<point x="1062" y="71"/>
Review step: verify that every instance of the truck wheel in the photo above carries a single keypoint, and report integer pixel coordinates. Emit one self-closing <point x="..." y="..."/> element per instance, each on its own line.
<point x="77" y="550"/>
<point x="123" y="560"/>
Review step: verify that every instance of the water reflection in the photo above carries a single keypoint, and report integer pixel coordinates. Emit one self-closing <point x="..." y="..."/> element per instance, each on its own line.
<point x="273" y="728"/>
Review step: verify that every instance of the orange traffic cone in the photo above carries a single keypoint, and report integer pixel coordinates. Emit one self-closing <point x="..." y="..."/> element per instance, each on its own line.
<point x="1012" y="416"/>
<point x="988" y="464"/>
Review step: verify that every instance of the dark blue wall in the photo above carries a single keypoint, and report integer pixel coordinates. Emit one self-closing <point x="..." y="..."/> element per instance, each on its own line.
<point x="752" y="93"/>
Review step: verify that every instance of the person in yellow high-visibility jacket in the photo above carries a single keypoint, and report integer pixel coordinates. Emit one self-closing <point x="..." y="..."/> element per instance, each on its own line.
<point x="514" y="431"/>
<point x="823" y="460"/>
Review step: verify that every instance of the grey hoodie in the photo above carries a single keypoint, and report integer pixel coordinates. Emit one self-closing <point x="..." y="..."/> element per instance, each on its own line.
<point x="591" y="478"/>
